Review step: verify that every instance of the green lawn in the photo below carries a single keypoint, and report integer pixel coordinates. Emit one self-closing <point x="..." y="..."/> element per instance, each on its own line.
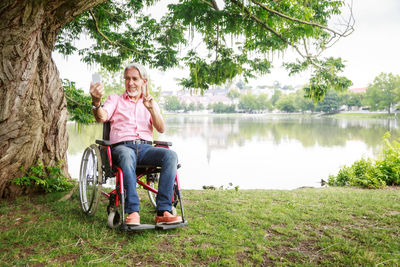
<point x="303" y="227"/>
<point x="363" y="115"/>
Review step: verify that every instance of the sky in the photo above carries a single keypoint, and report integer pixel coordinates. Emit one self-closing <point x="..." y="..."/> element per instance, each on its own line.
<point x="373" y="48"/>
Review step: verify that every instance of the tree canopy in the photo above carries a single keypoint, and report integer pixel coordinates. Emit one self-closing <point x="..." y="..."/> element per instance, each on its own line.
<point x="215" y="41"/>
<point x="383" y="93"/>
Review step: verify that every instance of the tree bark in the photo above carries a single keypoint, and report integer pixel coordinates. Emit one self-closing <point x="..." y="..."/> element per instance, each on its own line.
<point x="33" y="112"/>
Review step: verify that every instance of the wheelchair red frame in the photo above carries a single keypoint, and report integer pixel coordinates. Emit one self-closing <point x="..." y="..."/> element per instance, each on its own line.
<point x="92" y="179"/>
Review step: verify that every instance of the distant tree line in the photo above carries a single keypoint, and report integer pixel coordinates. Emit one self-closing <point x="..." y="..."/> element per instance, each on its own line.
<point x="382" y="94"/>
<point x="172" y="103"/>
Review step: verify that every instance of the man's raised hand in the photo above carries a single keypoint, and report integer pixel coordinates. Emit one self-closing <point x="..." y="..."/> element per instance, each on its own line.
<point x="147" y="98"/>
<point x="96" y="91"/>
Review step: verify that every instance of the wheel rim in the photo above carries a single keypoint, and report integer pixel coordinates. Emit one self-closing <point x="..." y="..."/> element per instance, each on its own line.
<point x="90" y="177"/>
<point x="153" y="182"/>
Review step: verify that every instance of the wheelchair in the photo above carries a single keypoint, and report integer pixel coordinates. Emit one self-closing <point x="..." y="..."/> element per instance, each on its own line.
<point x="97" y="167"/>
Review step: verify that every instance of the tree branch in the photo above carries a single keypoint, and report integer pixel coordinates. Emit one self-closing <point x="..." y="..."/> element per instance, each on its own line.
<point x="214" y="4"/>
<point x="98" y="29"/>
<point x="74" y="101"/>
<point x="68" y="10"/>
<point x="299" y="20"/>
<point x="259" y="21"/>
<point x="208" y="3"/>
<point x="349" y="28"/>
<point x="107" y="39"/>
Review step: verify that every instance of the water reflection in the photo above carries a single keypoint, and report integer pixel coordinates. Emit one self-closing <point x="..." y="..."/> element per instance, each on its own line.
<point x="273" y="151"/>
<point x="223" y="132"/>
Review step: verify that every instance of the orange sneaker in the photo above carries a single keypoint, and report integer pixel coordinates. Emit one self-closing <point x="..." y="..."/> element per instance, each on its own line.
<point x="133" y="219"/>
<point x="168" y="218"/>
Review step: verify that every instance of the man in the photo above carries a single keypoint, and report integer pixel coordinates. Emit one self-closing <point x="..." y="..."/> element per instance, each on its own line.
<point x="132" y="117"/>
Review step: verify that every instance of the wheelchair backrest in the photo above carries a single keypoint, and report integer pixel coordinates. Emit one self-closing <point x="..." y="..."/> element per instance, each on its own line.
<point x="106" y="131"/>
<point x="109" y="171"/>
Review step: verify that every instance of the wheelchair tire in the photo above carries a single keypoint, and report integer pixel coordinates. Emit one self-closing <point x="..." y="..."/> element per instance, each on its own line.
<point x="90" y="178"/>
<point x="114" y="219"/>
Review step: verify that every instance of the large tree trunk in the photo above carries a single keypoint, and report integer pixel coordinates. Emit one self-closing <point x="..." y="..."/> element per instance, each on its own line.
<point x="33" y="112"/>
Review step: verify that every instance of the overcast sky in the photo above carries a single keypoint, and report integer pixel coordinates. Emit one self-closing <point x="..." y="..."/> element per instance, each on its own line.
<point x="374" y="47"/>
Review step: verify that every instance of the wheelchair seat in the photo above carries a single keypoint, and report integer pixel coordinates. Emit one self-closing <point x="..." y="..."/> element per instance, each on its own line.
<point x="105" y="152"/>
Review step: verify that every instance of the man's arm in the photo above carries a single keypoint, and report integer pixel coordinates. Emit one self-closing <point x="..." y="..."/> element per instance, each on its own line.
<point x="97" y="91"/>
<point x="158" y="121"/>
<point x="100" y="114"/>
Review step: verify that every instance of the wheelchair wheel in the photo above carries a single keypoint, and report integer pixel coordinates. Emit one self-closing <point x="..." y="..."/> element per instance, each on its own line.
<point x="114" y="212"/>
<point x="152" y="180"/>
<point x="90" y="177"/>
<point x="114" y="219"/>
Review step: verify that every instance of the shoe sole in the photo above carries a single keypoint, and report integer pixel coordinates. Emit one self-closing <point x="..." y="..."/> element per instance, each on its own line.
<point x="132" y="224"/>
<point x="168" y="223"/>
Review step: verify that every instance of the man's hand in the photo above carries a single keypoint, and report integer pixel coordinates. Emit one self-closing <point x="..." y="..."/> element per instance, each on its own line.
<point x="96" y="91"/>
<point x="152" y="107"/>
<point x="147" y="99"/>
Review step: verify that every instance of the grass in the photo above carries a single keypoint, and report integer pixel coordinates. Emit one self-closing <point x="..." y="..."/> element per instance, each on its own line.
<point x="303" y="227"/>
<point x="234" y="115"/>
<point x="341" y="115"/>
<point x="363" y="115"/>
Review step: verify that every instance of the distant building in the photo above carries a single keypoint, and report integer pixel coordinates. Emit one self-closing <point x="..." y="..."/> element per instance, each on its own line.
<point x="218" y="94"/>
<point x="358" y="90"/>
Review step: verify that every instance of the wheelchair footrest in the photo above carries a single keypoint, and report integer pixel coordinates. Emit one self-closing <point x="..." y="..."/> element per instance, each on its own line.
<point x="151" y="226"/>
<point x="171" y="226"/>
<point x="137" y="227"/>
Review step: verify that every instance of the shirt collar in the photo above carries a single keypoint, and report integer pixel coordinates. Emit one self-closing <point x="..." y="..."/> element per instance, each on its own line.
<point x="126" y="96"/>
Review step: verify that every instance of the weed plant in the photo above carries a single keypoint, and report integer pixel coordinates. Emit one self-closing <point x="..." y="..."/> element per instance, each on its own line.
<point x="46" y="178"/>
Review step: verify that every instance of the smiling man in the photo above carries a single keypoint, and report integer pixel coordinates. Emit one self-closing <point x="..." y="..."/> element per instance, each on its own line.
<point x="132" y="117"/>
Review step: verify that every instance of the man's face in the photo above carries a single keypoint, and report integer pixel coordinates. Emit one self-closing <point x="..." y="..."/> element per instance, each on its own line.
<point x="134" y="83"/>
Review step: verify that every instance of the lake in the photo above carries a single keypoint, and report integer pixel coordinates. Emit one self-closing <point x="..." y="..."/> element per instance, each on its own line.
<point x="256" y="151"/>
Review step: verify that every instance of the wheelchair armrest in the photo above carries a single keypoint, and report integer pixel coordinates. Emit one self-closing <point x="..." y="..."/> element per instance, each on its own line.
<point x="103" y="142"/>
<point x="162" y="143"/>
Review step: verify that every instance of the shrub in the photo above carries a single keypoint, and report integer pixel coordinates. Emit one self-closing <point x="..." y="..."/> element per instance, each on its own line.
<point x="50" y="179"/>
<point x="342" y="179"/>
<point x="362" y="173"/>
<point x="389" y="161"/>
<point x="368" y="173"/>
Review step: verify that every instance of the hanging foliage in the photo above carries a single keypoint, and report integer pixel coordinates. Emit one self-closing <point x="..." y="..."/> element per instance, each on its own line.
<point x="125" y="30"/>
<point x="79" y="104"/>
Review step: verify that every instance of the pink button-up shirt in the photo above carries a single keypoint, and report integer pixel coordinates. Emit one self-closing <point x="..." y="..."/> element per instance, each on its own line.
<point x="128" y="120"/>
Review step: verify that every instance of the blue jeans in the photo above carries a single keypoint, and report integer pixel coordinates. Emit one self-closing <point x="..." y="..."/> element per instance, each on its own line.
<point x="127" y="157"/>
